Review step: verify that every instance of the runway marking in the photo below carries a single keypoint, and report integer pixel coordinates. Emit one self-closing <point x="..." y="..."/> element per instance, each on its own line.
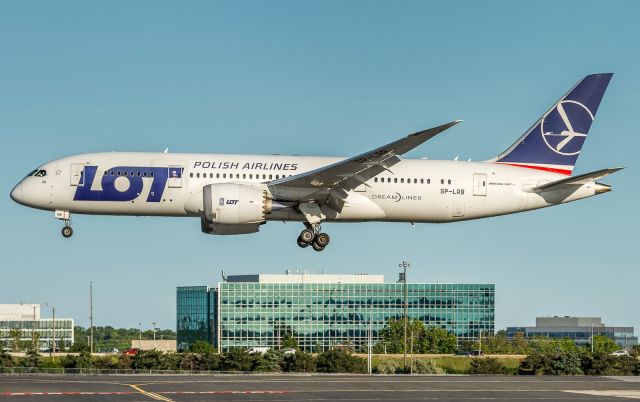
<point x="152" y="395"/>
<point x="633" y="394"/>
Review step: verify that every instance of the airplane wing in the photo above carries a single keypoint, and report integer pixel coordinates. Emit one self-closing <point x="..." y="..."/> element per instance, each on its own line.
<point x="580" y="179"/>
<point x="330" y="184"/>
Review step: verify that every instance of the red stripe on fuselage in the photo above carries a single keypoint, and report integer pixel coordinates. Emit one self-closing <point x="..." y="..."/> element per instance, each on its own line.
<point x="544" y="168"/>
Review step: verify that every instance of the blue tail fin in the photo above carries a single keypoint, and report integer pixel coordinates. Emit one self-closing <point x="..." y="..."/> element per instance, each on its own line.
<point x="554" y="142"/>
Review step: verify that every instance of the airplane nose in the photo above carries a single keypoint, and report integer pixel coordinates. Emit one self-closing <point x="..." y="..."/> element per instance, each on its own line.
<point x="16" y="193"/>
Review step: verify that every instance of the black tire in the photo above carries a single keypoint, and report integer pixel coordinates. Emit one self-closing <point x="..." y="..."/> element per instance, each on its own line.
<point x="67" y="231"/>
<point x="317" y="247"/>
<point x="307" y="236"/>
<point x="322" y="239"/>
<point x="302" y="244"/>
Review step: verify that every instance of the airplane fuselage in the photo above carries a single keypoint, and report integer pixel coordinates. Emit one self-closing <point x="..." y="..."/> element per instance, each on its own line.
<point x="166" y="184"/>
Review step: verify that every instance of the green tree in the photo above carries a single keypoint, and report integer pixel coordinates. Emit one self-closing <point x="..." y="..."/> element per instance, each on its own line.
<point x="438" y="340"/>
<point x="16" y="339"/>
<point x="201" y="346"/>
<point x="289" y="342"/>
<point x="603" y="344"/>
<point x="488" y="365"/>
<point x="32" y="358"/>
<point x="340" y="361"/>
<point x="425" y="340"/>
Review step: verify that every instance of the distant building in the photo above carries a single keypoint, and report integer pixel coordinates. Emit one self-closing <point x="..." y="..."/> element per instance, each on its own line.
<point x="26" y="318"/>
<point x="150" y="344"/>
<point x="253" y="311"/>
<point x="580" y="329"/>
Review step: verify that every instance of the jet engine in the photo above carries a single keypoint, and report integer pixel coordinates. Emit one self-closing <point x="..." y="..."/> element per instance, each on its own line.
<point x="235" y="204"/>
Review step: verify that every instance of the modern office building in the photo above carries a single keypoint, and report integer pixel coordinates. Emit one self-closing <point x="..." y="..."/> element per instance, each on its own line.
<point x="324" y="310"/>
<point x="580" y="329"/>
<point x="25" y="321"/>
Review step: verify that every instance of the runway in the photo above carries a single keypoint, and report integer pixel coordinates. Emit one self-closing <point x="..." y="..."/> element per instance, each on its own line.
<point x="285" y="388"/>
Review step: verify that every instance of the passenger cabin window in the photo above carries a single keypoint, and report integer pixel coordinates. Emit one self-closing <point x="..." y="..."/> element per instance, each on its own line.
<point x="190" y="174"/>
<point x="428" y="181"/>
<point x="441" y="181"/>
<point x="449" y="181"/>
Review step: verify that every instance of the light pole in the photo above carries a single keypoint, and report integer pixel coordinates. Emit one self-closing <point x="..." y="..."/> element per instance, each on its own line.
<point x="140" y="333"/>
<point x="404" y="265"/>
<point x="154" y="331"/>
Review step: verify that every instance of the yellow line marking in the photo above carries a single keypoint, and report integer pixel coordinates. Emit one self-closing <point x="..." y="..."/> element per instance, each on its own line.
<point x="152" y="395"/>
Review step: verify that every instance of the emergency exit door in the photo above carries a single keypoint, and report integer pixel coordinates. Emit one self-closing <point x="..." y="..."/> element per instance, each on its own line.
<point x="479" y="184"/>
<point x="77" y="174"/>
<point x="175" y="176"/>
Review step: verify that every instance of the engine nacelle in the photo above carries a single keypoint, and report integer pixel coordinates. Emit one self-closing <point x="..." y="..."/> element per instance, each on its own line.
<point x="235" y="204"/>
<point x="222" y="229"/>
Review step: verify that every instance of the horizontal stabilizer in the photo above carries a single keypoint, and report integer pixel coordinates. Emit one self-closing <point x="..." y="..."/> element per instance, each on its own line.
<point x="580" y="179"/>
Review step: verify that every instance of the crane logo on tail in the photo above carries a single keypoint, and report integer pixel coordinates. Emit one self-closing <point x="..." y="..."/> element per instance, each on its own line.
<point x="564" y="128"/>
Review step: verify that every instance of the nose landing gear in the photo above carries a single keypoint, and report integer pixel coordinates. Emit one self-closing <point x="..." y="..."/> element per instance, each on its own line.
<point x="66" y="217"/>
<point x="312" y="236"/>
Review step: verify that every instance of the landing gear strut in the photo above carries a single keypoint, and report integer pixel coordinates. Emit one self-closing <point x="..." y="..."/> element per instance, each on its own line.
<point x="312" y="236"/>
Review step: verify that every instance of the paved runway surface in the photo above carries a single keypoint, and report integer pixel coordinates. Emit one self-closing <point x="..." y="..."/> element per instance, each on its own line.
<point x="285" y="388"/>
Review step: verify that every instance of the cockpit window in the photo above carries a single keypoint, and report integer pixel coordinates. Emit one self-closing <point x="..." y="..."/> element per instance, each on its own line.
<point x="38" y="173"/>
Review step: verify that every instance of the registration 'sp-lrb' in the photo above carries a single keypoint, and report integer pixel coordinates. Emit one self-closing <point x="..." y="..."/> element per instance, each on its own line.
<point x="235" y="194"/>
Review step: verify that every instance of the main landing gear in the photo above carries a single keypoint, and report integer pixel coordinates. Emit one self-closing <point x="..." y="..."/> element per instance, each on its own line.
<point x="312" y="236"/>
<point x="66" y="217"/>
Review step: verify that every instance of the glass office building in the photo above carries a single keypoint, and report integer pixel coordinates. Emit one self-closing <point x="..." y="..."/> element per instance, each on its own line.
<point x="324" y="310"/>
<point x="579" y="329"/>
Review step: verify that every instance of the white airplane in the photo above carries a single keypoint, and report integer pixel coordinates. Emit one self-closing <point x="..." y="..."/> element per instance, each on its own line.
<point x="235" y="194"/>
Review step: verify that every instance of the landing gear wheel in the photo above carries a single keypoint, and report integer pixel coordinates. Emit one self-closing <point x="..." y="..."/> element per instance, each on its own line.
<point x="307" y="236"/>
<point x="67" y="231"/>
<point x="322" y="239"/>
<point x="317" y="247"/>
<point x="302" y="243"/>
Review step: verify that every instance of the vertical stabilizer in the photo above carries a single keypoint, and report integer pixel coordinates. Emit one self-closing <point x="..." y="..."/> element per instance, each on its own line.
<point x="554" y="142"/>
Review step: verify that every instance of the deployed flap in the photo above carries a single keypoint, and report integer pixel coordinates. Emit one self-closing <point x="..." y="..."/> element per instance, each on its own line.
<point x="349" y="173"/>
<point x="580" y="179"/>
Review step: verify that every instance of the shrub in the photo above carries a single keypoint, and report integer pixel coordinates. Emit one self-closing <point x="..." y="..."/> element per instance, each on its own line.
<point x="5" y="359"/>
<point x="426" y="366"/>
<point x="299" y="362"/>
<point x="146" y="360"/>
<point x="270" y="361"/>
<point x="388" y="367"/>
<point x="488" y="365"/>
<point x="237" y="359"/>
<point x="340" y="361"/>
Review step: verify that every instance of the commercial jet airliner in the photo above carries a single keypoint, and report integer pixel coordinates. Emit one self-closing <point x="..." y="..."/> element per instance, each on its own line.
<point x="235" y="194"/>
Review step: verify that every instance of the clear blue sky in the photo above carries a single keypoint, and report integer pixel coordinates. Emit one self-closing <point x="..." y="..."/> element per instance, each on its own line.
<point x="319" y="78"/>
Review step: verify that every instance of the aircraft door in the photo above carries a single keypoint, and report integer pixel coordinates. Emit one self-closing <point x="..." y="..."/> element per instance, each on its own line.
<point x="77" y="174"/>
<point x="480" y="184"/>
<point x="175" y="176"/>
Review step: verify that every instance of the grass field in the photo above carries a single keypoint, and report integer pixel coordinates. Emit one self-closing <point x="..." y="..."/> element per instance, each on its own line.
<point x="451" y="364"/>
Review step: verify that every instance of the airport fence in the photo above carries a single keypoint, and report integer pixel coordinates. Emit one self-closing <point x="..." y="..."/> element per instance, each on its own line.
<point x="93" y="371"/>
